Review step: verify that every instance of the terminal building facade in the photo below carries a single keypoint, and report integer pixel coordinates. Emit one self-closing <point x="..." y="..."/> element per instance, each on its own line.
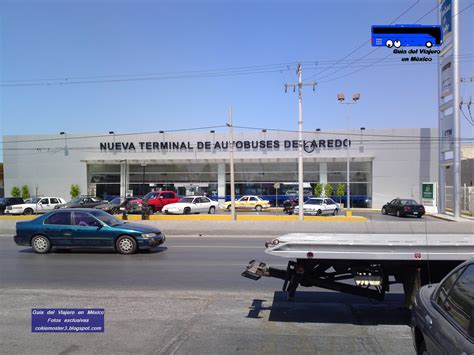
<point x="384" y="163"/>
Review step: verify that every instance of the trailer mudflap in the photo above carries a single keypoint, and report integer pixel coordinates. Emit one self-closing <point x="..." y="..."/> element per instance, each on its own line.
<point x="255" y="270"/>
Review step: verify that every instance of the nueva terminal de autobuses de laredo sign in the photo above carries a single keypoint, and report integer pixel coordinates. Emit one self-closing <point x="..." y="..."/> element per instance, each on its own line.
<point x="147" y="146"/>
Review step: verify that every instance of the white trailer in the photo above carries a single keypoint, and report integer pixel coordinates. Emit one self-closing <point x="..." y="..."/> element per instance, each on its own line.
<point x="373" y="261"/>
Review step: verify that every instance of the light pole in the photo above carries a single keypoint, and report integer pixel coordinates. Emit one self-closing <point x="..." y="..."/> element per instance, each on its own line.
<point x="143" y="164"/>
<point x="341" y="99"/>
<point x="66" y="150"/>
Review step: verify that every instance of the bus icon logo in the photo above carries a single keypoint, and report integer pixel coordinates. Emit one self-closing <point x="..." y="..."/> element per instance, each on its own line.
<point x="406" y="36"/>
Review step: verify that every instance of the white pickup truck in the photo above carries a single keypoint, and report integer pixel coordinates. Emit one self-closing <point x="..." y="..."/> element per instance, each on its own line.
<point x="373" y="261"/>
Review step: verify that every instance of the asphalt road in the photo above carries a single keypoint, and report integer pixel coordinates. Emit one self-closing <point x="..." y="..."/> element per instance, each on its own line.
<point x="187" y="298"/>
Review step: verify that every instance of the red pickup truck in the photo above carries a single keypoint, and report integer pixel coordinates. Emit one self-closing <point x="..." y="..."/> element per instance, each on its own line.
<point x="154" y="201"/>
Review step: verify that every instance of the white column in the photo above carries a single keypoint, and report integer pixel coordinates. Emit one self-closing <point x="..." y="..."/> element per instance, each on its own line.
<point x="221" y="181"/>
<point x="124" y="179"/>
<point x="323" y="173"/>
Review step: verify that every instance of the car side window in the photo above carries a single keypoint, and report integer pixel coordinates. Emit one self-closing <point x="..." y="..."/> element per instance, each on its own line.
<point x="84" y="219"/>
<point x="54" y="201"/>
<point x="445" y="287"/>
<point x="253" y="199"/>
<point x="62" y="218"/>
<point x="205" y="200"/>
<point x="44" y="201"/>
<point x="244" y="199"/>
<point x="197" y="200"/>
<point x="460" y="301"/>
<point x="331" y="202"/>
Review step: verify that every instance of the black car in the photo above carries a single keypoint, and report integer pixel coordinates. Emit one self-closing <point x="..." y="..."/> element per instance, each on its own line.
<point x="9" y="201"/>
<point x="443" y="314"/>
<point x="403" y="207"/>
<point x="82" y="202"/>
<point x="116" y="206"/>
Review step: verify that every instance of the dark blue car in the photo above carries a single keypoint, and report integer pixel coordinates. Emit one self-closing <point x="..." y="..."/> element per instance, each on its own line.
<point x="85" y="228"/>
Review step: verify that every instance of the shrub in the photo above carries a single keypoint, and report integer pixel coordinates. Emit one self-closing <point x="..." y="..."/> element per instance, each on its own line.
<point x="25" y="192"/>
<point x="15" y="192"/>
<point x="341" y="191"/>
<point x="318" y="189"/>
<point x="75" y="190"/>
<point x="328" y="190"/>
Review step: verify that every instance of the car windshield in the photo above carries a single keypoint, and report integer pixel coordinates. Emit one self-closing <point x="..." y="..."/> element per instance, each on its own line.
<point x="187" y="200"/>
<point x="106" y="218"/>
<point x="76" y="200"/>
<point x="149" y="195"/>
<point x="314" y="202"/>
<point x="33" y="200"/>
<point x="117" y="201"/>
<point x="408" y="202"/>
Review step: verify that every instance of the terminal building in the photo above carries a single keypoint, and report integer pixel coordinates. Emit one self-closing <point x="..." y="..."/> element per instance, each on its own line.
<point x="384" y="163"/>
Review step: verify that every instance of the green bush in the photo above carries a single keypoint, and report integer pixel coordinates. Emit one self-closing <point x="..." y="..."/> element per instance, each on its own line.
<point x="328" y="190"/>
<point x="25" y="192"/>
<point x="318" y="189"/>
<point x="75" y="190"/>
<point x="340" y="191"/>
<point x="16" y="192"/>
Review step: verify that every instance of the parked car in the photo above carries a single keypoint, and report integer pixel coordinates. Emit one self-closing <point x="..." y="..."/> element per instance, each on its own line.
<point x="249" y="202"/>
<point x="443" y="314"/>
<point x="155" y="201"/>
<point x="9" y="201"/>
<point x="85" y="228"/>
<point x="134" y="205"/>
<point x="192" y="204"/>
<point x="35" y="205"/>
<point x="318" y="206"/>
<point x="403" y="207"/>
<point x="82" y="202"/>
<point x="116" y="206"/>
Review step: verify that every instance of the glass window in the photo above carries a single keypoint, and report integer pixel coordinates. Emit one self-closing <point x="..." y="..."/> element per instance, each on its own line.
<point x="63" y="218"/>
<point x="54" y="200"/>
<point x="253" y="199"/>
<point x="106" y="218"/>
<point x="205" y="200"/>
<point x="331" y="201"/>
<point x="460" y="301"/>
<point x="444" y="288"/>
<point x="168" y="195"/>
<point x="44" y="201"/>
<point x="85" y="219"/>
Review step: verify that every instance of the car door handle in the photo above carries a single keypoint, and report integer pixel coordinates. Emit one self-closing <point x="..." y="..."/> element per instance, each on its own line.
<point x="428" y="320"/>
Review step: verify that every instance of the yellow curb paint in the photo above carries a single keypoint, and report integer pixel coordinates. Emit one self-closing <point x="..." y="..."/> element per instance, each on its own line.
<point x="348" y="213"/>
<point x="17" y="217"/>
<point x="190" y="218"/>
<point x="266" y="218"/>
<point x="336" y="218"/>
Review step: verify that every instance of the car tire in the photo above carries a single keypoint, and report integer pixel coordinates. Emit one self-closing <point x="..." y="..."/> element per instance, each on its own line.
<point x="126" y="245"/>
<point x="187" y="210"/>
<point x="418" y="216"/>
<point x="258" y="208"/>
<point x="212" y="210"/>
<point x="399" y="214"/>
<point x="336" y="211"/>
<point x="319" y="213"/>
<point x="421" y="348"/>
<point x="166" y="212"/>
<point x="28" y="212"/>
<point x="229" y="207"/>
<point x="384" y="211"/>
<point x="40" y="244"/>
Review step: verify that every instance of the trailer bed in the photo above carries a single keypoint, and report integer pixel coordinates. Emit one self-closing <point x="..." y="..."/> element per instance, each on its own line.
<point x="375" y="247"/>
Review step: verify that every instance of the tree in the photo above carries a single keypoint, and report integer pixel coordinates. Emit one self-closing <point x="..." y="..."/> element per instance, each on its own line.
<point x="75" y="190"/>
<point x="328" y="190"/>
<point x="318" y="189"/>
<point x="15" y="192"/>
<point x="25" y="192"/>
<point x="340" y="191"/>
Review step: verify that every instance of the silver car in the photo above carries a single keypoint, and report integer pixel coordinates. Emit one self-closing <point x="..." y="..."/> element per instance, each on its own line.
<point x="443" y="314"/>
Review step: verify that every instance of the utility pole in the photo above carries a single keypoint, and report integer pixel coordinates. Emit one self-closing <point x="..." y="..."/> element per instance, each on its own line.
<point x="231" y="163"/>
<point x="300" y="85"/>
<point x="456" y="116"/>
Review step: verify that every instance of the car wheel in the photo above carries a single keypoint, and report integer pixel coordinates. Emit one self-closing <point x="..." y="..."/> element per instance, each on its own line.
<point x="212" y="210"/>
<point x="28" y="212"/>
<point x="418" y="216"/>
<point x="384" y="211"/>
<point x="399" y="214"/>
<point x="319" y="213"/>
<point x="258" y="208"/>
<point x="229" y="207"/>
<point x="336" y="211"/>
<point x="126" y="245"/>
<point x="166" y="212"/>
<point x="187" y="210"/>
<point x="40" y="244"/>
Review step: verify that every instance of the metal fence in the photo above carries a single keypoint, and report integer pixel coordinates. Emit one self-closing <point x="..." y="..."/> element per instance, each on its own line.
<point x="467" y="198"/>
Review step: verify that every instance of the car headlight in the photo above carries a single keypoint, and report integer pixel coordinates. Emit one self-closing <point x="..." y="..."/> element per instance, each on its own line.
<point x="148" y="235"/>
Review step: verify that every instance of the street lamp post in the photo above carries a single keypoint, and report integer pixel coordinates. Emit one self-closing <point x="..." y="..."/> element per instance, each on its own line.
<point x="341" y="99"/>
<point x="143" y="178"/>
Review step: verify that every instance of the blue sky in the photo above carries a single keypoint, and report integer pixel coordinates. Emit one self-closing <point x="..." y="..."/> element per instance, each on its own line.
<point x="88" y="39"/>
